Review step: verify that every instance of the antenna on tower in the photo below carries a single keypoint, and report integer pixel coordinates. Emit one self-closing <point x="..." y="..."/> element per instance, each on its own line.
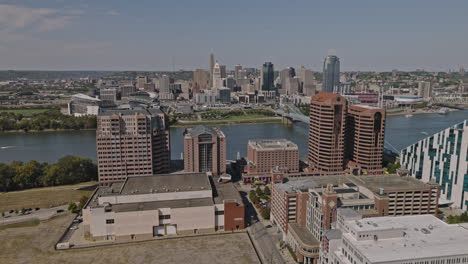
<point x="173" y="63"/>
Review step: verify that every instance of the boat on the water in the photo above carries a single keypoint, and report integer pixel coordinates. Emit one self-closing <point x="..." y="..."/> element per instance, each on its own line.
<point x="409" y="115"/>
<point x="443" y="111"/>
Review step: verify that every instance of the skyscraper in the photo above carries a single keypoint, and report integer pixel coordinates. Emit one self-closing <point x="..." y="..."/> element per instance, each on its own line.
<point x="345" y="137"/>
<point x="217" y="80"/>
<point x="201" y="79"/>
<point x="326" y="132"/>
<point x="204" y="150"/>
<point x="212" y="64"/>
<point x="365" y="132"/>
<point x="164" y="82"/>
<point x="238" y="72"/>
<point x="331" y="74"/>
<point x="268" y="76"/>
<point x="424" y="89"/>
<point x="307" y="80"/>
<point x="132" y="143"/>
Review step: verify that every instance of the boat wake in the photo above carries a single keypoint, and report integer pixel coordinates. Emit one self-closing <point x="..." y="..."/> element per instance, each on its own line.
<point x="7" y="147"/>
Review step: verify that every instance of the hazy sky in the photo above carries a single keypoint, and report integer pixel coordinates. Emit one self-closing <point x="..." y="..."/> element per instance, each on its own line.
<point x="150" y="34"/>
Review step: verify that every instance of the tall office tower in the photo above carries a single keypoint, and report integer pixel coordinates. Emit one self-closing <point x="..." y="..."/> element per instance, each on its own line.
<point x="217" y="79"/>
<point x="425" y="89"/>
<point x="307" y="80"/>
<point x="222" y="69"/>
<point x="238" y="72"/>
<point x="200" y="78"/>
<point x="285" y="74"/>
<point x="326" y="132"/>
<point x="292" y="85"/>
<point x="268" y="76"/>
<point x="132" y="143"/>
<point x="212" y="64"/>
<point x="204" y="150"/>
<point x="331" y="74"/>
<point x="365" y="133"/>
<point x="141" y="81"/>
<point x="164" y="82"/>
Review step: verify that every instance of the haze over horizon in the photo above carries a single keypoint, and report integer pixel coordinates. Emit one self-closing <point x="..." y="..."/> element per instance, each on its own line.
<point x="153" y="35"/>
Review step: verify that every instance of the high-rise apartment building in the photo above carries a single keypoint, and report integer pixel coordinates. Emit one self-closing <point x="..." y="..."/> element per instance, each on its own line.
<point x="268" y="76"/>
<point x="326" y="132"/>
<point x="164" y="82"/>
<point x="204" y="150"/>
<point x="442" y="158"/>
<point x="307" y="80"/>
<point x="425" y="89"/>
<point x="201" y="79"/>
<point x="331" y="74"/>
<point x="345" y="137"/>
<point x="141" y="81"/>
<point x="132" y="143"/>
<point x="365" y="132"/>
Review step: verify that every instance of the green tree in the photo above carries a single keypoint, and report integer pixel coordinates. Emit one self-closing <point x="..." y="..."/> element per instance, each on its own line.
<point x="259" y="191"/>
<point x="83" y="201"/>
<point x="72" y="207"/>
<point x="266" y="191"/>
<point x="27" y="176"/>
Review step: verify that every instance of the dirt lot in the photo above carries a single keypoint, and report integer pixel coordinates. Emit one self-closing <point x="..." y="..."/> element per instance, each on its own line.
<point x="34" y="244"/>
<point x="42" y="197"/>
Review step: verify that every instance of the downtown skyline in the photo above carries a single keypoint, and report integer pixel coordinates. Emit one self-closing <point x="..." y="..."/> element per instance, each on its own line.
<point x="159" y="36"/>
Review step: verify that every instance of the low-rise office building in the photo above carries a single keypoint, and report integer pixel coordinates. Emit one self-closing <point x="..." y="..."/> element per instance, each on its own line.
<point x="167" y="204"/>
<point x="267" y="154"/>
<point x="309" y="207"/>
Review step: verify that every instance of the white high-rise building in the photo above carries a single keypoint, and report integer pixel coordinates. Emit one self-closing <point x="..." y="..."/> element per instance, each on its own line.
<point x="419" y="239"/>
<point x="164" y="84"/>
<point x="217" y="77"/>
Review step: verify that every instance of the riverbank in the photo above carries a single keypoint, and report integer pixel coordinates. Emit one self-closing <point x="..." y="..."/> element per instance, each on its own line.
<point x="181" y="123"/>
<point x="44" y="130"/>
<point x="417" y="112"/>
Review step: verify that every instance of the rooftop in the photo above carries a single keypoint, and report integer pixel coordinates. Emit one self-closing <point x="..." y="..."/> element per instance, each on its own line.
<point x="323" y="97"/>
<point x="226" y="192"/>
<point x="304" y="235"/>
<point x="143" y="206"/>
<point x="272" y="144"/>
<point x="299" y="185"/>
<point x="166" y="183"/>
<point x="145" y="111"/>
<point x="423" y="236"/>
<point x="389" y="182"/>
<point x="201" y="129"/>
<point x="86" y="97"/>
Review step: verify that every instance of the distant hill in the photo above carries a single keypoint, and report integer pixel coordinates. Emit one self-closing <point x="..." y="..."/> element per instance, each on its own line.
<point x="50" y="75"/>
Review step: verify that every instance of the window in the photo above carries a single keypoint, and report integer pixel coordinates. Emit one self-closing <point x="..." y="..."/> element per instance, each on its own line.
<point x="219" y="213"/>
<point x="109" y="221"/>
<point x="163" y="217"/>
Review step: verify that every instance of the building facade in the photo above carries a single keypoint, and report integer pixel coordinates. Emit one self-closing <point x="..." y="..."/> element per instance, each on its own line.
<point x="326" y="132"/>
<point x="401" y="240"/>
<point x="443" y="159"/>
<point x="132" y="143"/>
<point x="160" y="205"/>
<point x="268" y="77"/>
<point x="204" y="150"/>
<point x="264" y="155"/>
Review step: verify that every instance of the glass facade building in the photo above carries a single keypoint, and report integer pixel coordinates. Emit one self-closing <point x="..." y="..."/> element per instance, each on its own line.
<point x="268" y="77"/>
<point x="331" y="74"/>
<point x="442" y="158"/>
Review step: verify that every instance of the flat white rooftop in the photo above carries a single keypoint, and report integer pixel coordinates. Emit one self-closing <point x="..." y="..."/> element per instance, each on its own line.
<point x="425" y="236"/>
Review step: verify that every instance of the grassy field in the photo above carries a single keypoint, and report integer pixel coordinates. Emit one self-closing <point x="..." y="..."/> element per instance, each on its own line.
<point x="43" y="197"/>
<point x="26" y="112"/>
<point x="35" y="245"/>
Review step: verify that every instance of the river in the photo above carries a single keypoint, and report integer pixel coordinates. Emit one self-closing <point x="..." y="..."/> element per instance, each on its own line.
<point x="50" y="146"/>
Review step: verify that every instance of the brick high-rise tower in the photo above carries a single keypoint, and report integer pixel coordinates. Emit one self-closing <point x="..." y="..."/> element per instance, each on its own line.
<point x="132" y="143"/>
<point x="326" y="132"/>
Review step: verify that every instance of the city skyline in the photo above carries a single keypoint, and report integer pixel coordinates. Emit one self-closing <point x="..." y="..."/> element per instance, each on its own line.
<point x="57" y="35"/>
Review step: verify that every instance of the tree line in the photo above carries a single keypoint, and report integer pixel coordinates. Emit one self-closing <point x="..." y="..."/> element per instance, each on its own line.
<point x="17" y="175"/>
<point x="52" y="119"/>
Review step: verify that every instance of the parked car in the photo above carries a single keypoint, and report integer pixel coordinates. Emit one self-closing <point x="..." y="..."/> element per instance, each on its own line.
<point x="60" y="211"/>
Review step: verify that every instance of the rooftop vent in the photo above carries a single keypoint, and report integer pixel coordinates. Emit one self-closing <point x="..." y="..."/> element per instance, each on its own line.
<point x="425" y="231"/>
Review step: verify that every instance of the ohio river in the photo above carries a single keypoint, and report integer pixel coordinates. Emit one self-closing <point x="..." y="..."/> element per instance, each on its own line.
<point x="50" y="146"/>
